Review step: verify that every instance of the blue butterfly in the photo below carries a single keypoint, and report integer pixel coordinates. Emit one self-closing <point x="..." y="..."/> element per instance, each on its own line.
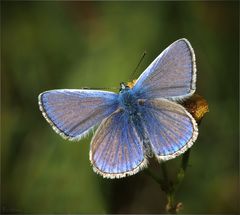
<point x="141" y="120"/>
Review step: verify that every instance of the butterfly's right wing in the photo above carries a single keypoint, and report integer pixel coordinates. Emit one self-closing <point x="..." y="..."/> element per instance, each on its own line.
<point x="171" y="75"/>
<point x="116" y="148"/>
<point x="72" y="113"/>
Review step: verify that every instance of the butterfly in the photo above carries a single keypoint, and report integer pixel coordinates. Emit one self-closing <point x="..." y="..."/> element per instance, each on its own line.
<point x="140" y="120"/>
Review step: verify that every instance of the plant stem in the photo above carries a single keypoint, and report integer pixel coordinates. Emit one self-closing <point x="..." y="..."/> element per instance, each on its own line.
<point x="171" y="205"/>
<point x="182" y="171"/>
<point x="170" y="187"/>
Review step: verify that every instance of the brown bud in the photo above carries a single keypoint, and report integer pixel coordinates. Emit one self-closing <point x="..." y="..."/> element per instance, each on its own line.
<point x="197" y="106"/>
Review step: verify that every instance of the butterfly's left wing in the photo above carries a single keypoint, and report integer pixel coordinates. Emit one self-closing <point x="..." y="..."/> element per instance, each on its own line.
<point x="72" y="113"/>
<point x="116" y="148"/>
<point x="171" y="130"/>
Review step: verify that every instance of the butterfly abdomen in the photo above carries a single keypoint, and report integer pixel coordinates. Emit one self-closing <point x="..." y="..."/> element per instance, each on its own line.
<point x="138" y="122"/>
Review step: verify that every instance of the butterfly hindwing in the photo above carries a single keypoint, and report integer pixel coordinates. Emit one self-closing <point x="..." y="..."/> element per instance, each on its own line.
<point x="116" y="148"/>
<point x="171" y="75"/>
<point x="170" y="128"/>
<point x="72" y="113"/>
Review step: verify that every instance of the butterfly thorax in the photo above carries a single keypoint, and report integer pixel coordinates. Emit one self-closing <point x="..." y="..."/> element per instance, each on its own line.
<point x="127" y="100"/>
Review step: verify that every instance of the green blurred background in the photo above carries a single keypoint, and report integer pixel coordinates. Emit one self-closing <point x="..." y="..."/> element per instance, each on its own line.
<point x="50" y="45"/>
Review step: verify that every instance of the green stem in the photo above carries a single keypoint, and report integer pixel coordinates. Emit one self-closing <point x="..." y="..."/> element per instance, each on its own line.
<point x="169" y="190"/>
<point x="171" y="205"/>
<point x="182" y="170"/>
<point x="170" y="187"/>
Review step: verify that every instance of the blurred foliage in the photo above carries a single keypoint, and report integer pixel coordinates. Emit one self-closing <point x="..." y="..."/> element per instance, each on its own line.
<point x="49" y="45"/>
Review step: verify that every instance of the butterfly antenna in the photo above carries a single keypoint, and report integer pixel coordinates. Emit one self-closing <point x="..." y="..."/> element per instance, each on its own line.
<point x="100" y="88"/>
<point x="135" y="70"/>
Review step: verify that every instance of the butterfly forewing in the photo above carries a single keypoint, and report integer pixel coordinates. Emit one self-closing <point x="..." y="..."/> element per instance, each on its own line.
<point x="171" y="75"/>
<point x="73" y="112"/>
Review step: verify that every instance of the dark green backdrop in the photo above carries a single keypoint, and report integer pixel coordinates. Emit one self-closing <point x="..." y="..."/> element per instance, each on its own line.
<point x="49" y="45"/>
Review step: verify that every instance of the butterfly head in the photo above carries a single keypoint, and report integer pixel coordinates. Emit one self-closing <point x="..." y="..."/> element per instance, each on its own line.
<point x="126" y="86"/>
<point x="123" y="87"/>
